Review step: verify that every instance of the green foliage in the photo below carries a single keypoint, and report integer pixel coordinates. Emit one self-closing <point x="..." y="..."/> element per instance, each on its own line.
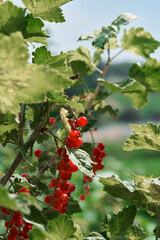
<point x="47" y="10"/>
<point x="13" y="18"/>
<point x="58" y="62"/>
<point x="73" y="207"/>
<point x="101" y="39"/>
<point x="94" y="236"/>
<point x="20" y="76"/>
<point x="60" y="228"/>
<point x="33" y="93"/>
<point x="82" y="160"/>
<point x="121" y="225"/>
<point x="139" y="42"/>
<point x="142" y="192"/>
<point x="128" y="85"/>
<point x="147" y="75"/>
<point x="81" y="61"/>
<point x="144" y="137"/>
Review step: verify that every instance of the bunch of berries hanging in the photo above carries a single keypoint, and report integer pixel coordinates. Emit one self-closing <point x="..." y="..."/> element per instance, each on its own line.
<point x="62" y="188"/>
<point x="17" y="227"/>
<point x="97" y="156"/>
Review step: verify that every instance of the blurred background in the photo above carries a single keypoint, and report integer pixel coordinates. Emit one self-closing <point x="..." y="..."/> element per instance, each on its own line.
<point x="82" y="18"/>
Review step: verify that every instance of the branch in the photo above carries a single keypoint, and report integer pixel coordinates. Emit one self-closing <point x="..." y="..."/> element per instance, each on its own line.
<point x="19" y="157"/>
<point x="46" y="166"/>
<point x="90" y="104"/>
<point x="157" y="229"/>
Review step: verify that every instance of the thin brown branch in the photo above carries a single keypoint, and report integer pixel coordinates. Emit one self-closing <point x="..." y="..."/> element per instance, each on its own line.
<point x="158" y="226"/>
<point x="20" y="124"/>
<point x="90" y="104"/>
<point x="19" y="157"/>
<point x="46" y="166"/>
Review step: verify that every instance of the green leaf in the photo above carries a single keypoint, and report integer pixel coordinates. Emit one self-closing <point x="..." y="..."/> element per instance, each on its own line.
<point x="142" y="192"/>
<point x="147" y="75"/>
<point x="139" y="42"/>
<point x="60" y="228"/>
<point x="13" y="18"/>
<point x="23" y="153"/>
<point x="58" y="62"/>
<point x="17" y="202"/>
<point x="78" y="107"/>
<point x="144" y="137"/>
<point x="128" y="85"/>
<point x="119" y="223"/>
<point x="94" y="236"/>
<point x="97" y="56"/>
<point x="135" y="232"/>
<point x="9" y="133"/>
<point x="82" y="160"/>
<point x="102" y="40"/>
<point x="36" y="216"/>
<point x="139" y="100"/>
<point x="21" y="81"/>
<point x="6" y="199"/>
<point x="77" y="235"/>
<point x="112" y="43"/>
<point x="124" y="19"/>
<point x="80" y="61"/>
<point x="47" y="10"/>
<point x="73" y="207"/>
<point x="7" y="128"/>
<point x="90" y="124"/>
<point x="103" y="108"/>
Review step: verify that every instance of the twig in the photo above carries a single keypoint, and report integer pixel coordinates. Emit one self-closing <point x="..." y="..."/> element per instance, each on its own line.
<point x="19" y="157"/>
<point x="46" y="166"/>
<point x="158" y="226"/>
<point x="89" y="105"/>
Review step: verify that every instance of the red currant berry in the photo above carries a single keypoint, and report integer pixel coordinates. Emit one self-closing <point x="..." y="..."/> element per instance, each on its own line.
<point x="48" y="199"/>
<point x="54" y="182"/>
<point x="65" y="187"/>
<point x="102" y="154"/>
<point x="4" y="211"/>
<point x="101" y="146"/>
<point x="23" y="190"/>
<point x="72" y="187"/>
<point x="58" y="205"/>
<point x="49" y="185"/>
<point x="57" y="194"/>
<point x="73" y="167"/>
<point x="8" y="224"/>
<point x="82" y="121"/>
<point x="37" y="153"/>
<point x="10" y="237"/>
<point x="73" y="135"/>
<point x="65" y="175"/>
<point x="63" y="197"/>
<point x="52" y="120"/>
<point x="82" y="197"/>
<point x="69" y="143"/>
<point x="96" y="151"/>
<point x="24" y="175"/>
<point x="78" y="142"/>
<point x="18" y="223"/>
<point x="90" y="179"/>
<point x="14" y="231"/>
<point x="63" y="210"/>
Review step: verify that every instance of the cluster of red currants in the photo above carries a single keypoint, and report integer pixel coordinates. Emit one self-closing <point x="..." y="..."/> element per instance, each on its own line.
<point x="62" y="188"/>
<point x="97" y="156"/>
<point x="18" y="228"/>
<point x="74" y="140"/>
